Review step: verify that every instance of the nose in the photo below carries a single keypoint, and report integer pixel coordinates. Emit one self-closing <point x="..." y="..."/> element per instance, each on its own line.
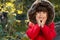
<point x="40" y="15"/>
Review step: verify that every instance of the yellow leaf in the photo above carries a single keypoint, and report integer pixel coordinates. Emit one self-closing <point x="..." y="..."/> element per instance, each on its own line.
<point x="20" y="12"/>
<point x="14" y="14"/>
<point x="26" y="20"/>
<point x="18" y="21"/>
<point x="9" y="4"/>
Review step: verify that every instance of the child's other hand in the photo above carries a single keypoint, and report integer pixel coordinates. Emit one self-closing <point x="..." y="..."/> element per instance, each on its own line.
<point x="38" y="21"/>
<point x="43" y="22"/>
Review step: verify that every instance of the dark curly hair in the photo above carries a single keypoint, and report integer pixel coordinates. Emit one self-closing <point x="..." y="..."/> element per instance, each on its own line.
<point x="38" y="7"/>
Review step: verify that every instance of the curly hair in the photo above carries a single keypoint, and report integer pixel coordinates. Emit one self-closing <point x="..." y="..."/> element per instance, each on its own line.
<point x="38" y="7"/>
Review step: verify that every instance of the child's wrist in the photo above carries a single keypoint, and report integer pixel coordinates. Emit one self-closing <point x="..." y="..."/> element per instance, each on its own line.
<point x="42" y="25"/>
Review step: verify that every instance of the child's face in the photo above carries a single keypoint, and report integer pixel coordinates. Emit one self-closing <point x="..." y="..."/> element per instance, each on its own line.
<point x="41" y="16"/>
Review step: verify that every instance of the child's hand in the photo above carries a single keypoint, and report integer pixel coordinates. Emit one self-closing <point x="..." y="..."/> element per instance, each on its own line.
<point x="43" y="23"/>
<point x="38" y="21"/>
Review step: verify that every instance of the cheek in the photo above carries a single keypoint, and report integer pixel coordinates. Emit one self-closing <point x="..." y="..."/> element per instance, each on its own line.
<point x="45" y="17"/>
<point x="37" y="17"/>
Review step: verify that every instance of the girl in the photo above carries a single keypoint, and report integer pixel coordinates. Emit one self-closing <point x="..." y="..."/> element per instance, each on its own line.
<point x="41" y="25"/>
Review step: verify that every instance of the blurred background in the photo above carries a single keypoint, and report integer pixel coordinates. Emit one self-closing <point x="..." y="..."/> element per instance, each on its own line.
<point x="13" y="18"/>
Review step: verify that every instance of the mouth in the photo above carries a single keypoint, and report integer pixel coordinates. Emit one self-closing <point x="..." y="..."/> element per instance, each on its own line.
<point x="41" y="21"/>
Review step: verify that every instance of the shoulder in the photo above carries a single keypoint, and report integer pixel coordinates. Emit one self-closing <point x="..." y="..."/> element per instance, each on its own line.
<point x="52" y="24"/>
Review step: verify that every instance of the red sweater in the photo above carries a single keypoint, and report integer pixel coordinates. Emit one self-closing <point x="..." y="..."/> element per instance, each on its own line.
<point x="35" y="32"/>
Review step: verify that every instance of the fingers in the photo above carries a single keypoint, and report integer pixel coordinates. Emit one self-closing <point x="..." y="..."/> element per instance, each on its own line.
<point x="41" y="22"/>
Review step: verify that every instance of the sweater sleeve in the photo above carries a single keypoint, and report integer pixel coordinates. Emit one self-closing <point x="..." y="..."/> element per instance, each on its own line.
<point x="32" y="31"/>
<point x="49" y="31"/>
